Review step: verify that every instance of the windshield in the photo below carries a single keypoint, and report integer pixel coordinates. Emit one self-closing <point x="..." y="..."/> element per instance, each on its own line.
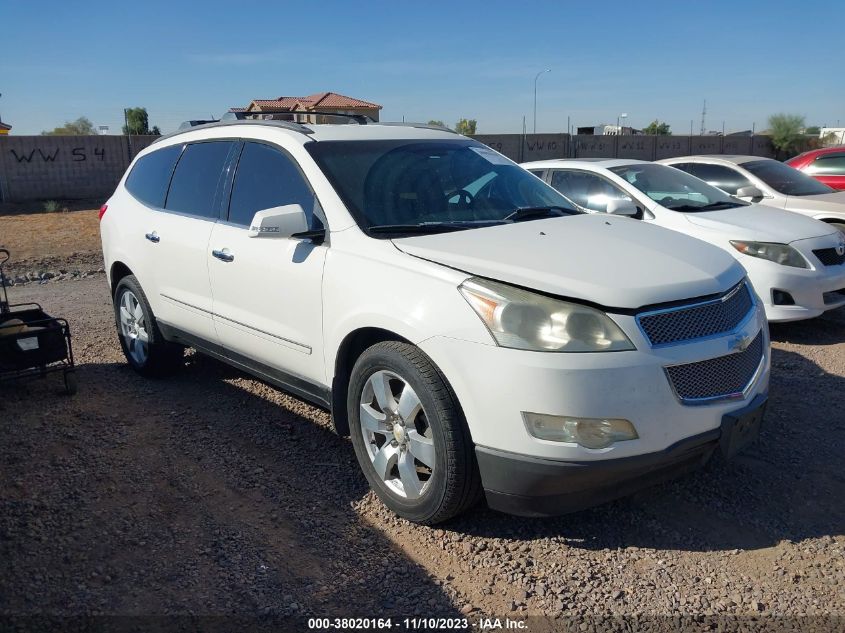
<point x="675" y="189"/>
<point x="785" y="179"/>
<point x="450" y="184"/>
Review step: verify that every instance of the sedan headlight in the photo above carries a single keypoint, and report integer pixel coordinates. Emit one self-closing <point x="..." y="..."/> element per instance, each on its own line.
<point x="778" y="253"/>
<point x="526" y="320"/>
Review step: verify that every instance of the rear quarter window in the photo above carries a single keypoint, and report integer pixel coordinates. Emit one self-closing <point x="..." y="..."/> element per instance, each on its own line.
<point x="150" y="176"/>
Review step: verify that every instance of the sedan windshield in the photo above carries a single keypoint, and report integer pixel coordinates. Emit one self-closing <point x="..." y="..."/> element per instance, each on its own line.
<point x="675" y="189"/>
<point x="418" y="186"/>
<point x="785" y="179"/>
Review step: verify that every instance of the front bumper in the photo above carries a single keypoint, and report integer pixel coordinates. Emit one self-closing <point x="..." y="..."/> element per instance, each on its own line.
<point x="814" y="290"/>
<point x="530" y="486"/>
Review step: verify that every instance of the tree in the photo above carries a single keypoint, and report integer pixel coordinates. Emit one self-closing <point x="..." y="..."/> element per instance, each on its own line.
<point x="138" y="123"/>
<point x="466" y="127"/>
<point x="81" y="127"/>
<point x="786" y="131"/>
<point x="657" y="128"/>
<point x="813" y="130"/>
<point x="437" y="122"/>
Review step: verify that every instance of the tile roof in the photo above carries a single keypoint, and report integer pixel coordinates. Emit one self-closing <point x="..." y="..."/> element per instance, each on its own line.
<point x="317" y="100"/>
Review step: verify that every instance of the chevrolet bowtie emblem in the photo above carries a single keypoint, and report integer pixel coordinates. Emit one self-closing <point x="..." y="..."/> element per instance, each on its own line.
<point x="740" y="343"/>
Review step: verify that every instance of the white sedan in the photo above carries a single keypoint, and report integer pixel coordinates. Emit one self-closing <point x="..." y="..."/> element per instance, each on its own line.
<point x="768" y="182"/>
<point x="796" y="264"/>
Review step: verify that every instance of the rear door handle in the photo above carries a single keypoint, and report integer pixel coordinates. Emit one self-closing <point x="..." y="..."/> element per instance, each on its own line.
<point x="224" y="255"/>
<point x="153" y="237"/>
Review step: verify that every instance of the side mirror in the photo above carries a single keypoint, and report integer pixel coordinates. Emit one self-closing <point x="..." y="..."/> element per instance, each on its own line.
<point x="279" y="222"/>
<point x="749" y="191"/>
<point x="621" y="207"/>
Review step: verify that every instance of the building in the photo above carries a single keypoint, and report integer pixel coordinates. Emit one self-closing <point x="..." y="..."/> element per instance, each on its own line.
<point x="832" y="135"/>
<point x="319" y="102"/>
<point x="608" y="130"/>
<point x="4" y="128"/>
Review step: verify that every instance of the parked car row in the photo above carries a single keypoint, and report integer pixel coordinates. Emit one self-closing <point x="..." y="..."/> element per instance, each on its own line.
<point x="795" y="263"/>
<point x="475" y="331"/>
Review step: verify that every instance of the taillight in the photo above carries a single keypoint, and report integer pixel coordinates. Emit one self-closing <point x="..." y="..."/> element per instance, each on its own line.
<point x="103" y="210"/>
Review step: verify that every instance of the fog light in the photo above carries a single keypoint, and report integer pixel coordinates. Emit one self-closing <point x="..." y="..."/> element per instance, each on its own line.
<point x="588" y="432"/>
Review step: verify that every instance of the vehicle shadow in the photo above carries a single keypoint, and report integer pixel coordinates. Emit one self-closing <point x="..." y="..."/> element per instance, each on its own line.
<point x="190" y="495"/>
<point x="828" y="329"/>
<point x="788" y="485"/>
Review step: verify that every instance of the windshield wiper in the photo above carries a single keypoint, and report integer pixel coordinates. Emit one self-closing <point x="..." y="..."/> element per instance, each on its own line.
<point x="431" y="227"/>
<point x="713" y="206"/>
<point x="529" y="213"/>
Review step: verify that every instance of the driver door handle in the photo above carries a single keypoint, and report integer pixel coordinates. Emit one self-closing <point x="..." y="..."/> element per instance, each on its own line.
<point x="224" y="255"/>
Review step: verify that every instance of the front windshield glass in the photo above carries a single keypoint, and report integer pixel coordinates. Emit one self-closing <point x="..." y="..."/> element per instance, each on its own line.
<point x="676" y="189"/>
<point x="449" y="183"/>
<point x="785" y="179"/>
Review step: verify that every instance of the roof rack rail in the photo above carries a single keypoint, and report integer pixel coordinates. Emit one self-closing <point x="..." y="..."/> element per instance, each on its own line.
<point x="360" y="119"/>
<point x="423" y="126"/>
<point x="288" y="125"/>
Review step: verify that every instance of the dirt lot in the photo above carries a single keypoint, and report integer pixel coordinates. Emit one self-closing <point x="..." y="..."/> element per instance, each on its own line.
<point x="212" y="493"/>
<point x="51" y="241"/>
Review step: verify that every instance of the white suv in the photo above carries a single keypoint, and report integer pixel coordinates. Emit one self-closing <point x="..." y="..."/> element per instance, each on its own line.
<point x="464" y="324"/>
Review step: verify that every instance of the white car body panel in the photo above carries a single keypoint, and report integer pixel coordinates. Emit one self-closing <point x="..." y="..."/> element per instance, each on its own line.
<point x="808" y="286"/>
<point x="636" y="266"/>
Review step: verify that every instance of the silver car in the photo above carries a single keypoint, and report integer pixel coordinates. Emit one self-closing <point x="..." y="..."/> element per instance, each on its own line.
<point x="765" y="180"/>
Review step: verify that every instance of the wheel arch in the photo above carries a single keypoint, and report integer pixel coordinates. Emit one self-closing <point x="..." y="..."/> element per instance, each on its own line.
<point x="351" y="347"/>
<point x="118" y="271"/>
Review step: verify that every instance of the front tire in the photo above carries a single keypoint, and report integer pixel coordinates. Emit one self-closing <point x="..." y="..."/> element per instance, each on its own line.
<point x="140" y="338"/>
<point x="410" y="436"/>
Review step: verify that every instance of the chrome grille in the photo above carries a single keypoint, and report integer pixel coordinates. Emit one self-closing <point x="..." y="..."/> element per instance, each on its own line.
<point x="700" y="320"/>
<point x="829" y="256"/>
<point x="720" y="377"/>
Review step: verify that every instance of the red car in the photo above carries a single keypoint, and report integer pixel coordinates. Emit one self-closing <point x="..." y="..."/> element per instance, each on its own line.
<point x="826" y="165"/>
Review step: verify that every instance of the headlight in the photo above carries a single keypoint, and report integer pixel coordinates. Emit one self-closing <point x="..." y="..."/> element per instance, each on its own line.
<point x="526" y="320"/>
<point x="778" y="253"/>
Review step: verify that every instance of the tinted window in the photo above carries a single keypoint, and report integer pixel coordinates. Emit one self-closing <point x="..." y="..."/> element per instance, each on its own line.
<point x="785" y="179"/>
<point x="675" y="189"/>
<point x="197" y="182"/>
<point x="268" y="178"/>
<point x="830" y="165"/>
<point x="590" y="191"/>
<point x="404" y="182"/>
<point x="724" y="178"/>
<point x="150" y="176"/>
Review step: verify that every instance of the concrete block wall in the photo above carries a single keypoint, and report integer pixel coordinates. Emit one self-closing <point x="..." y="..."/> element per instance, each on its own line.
<point x="544" y="146"/>
<point x="64" y="167"/>
<point x="72" y="167"/>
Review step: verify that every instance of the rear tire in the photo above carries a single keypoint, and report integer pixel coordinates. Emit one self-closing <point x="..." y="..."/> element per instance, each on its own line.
<point x="410" y="436"/>
<point x="142" y="342"/>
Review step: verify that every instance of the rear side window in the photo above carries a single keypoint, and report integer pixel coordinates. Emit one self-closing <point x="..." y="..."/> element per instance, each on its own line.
<point x="267" y="178"/>
<point x="830" y="165"/>
<point x="150" y="176"/>
<point x="197" y="183"/>
<point x="725" y="178"/>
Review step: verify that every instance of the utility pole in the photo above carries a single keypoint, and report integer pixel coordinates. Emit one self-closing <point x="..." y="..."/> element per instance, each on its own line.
<point x="703" y="114"/>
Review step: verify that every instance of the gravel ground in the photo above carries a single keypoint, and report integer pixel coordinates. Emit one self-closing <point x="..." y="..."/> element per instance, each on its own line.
<point x="212" y="493"/>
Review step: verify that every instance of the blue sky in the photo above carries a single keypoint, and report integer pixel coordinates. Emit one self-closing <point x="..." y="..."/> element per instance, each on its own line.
<point x="426" y="60"/>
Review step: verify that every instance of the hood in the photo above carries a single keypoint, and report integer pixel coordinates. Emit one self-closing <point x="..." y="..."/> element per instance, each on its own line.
<point x="615" y="262"/>
<point x="760" y="223"/>
<point x="823" y="203"/>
